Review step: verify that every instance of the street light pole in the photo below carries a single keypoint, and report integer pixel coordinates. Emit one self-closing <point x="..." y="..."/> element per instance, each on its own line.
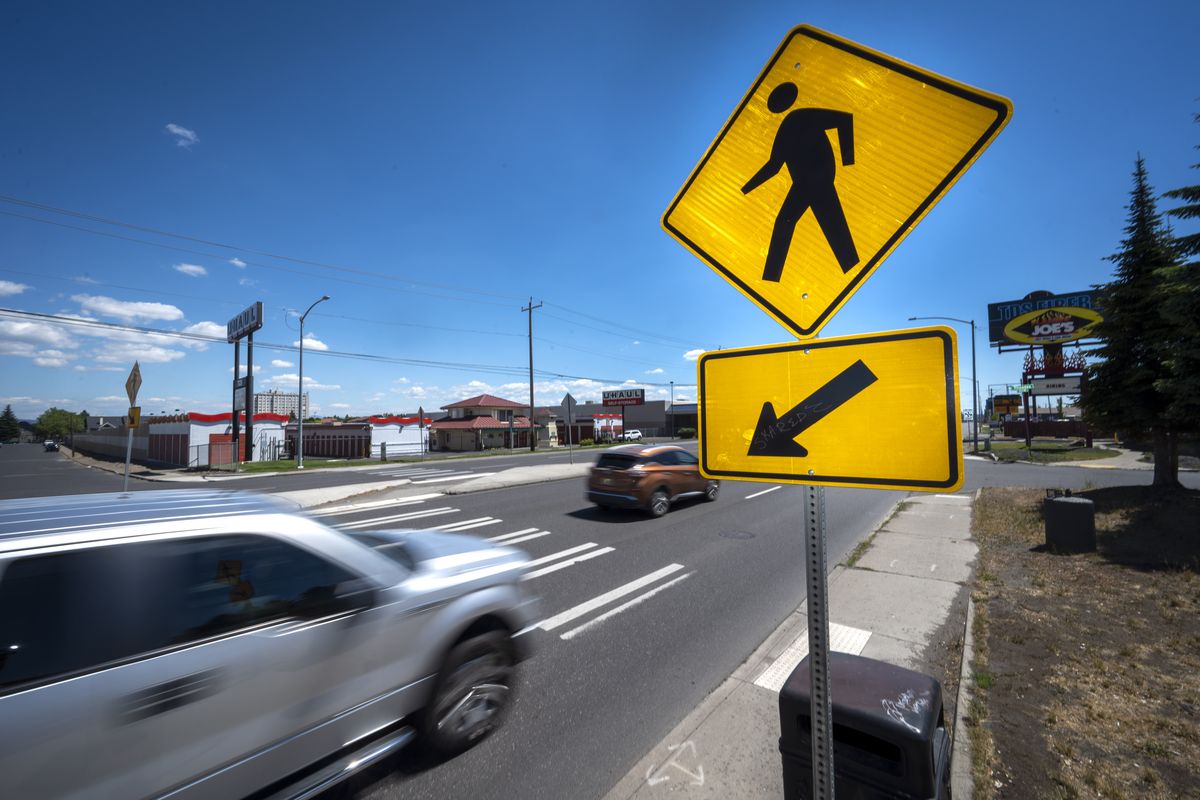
<point x="672" y="410"/>
<point x="300" y="389"/>
<point x="974" y="378"/>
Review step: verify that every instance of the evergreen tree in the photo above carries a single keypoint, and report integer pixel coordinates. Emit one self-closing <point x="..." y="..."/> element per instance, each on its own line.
<point x="1134" y="387"/>
<point x="10" y="426"/>
<point x="1181" y="307"/>
<point x="1188" y="245"/>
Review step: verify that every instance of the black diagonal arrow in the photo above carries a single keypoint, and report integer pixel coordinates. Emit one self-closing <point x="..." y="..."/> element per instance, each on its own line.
<point x="774" y="436"/>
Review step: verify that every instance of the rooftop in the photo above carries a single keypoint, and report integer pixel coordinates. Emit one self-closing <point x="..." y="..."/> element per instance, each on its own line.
<point x="485" y="401"/>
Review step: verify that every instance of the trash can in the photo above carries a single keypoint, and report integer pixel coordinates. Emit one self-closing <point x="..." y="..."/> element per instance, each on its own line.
<point x="1070" y="524"/>
<point x="889" y="734"/>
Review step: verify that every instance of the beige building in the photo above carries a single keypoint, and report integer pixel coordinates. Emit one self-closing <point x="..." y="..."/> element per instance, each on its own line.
<point x="277" y="402"/>
<point x="480" y="423"/>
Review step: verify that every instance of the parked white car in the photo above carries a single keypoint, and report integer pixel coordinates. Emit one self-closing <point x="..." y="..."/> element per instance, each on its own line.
<point x="631" y="436"/>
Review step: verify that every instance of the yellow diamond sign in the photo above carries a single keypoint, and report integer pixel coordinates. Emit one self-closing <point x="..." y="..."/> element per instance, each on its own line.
<point x="832" y="157"/>
<point x="876" y="411"/>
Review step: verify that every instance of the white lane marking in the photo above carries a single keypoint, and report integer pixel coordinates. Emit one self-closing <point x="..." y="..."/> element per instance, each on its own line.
<point x="512" y="535"/>
<point x="463" y="523"/>
<point x="560" y="554"/>
<point x="764" y="491"/>
<point x="433" y="512"/>
<point x="530" y="537"/>
<point x="460" y="476"/>
<point x="350" y="507"/>
<point x="570" y="562"/>
<point x="641" y="598"/>
<point x="842" y="639"/>
<point x="575" y="612"/>
<point x="480" y="524"/>
<point x="954" y="497"/>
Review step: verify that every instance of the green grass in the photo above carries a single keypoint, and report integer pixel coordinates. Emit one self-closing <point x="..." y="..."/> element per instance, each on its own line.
<point x="1050" y="451"/>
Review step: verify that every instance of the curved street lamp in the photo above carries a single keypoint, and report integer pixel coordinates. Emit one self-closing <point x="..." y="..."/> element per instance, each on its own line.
<point x="300" y="389"/>
<point x="974" y="381"/>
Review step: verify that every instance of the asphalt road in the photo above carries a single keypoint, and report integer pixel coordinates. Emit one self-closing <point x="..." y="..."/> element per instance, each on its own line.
<point x="600" y="692"/>
<point x="27" y="471"/>
<point x="700" y="589"/>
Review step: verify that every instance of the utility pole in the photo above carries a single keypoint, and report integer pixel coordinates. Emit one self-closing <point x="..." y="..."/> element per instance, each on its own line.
<point x="532" y="435"/>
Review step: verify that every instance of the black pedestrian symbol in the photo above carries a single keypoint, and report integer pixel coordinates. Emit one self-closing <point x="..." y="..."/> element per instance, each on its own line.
<point x="803" y="146"/>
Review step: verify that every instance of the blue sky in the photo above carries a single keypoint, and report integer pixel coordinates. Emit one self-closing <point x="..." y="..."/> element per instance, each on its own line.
<point x="431" y="169"/>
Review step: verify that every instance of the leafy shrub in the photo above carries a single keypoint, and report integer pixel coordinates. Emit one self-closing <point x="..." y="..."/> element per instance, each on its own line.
<point x="685" y="433"/>
<point x="586" y="443"/>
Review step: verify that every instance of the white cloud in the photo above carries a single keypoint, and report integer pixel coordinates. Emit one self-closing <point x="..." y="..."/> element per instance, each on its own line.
<point x="110" y="398"/>
<point x="655" y="371"/>
<point x="290" y="380"/>
<point x="191" y="270"/>
<point x="312" y="343"/>
<point x="127" y="310"/>
<point x="204" y="328"/>
<point x="401" y="381"/>
<point x="95" y="368"/>
<point x="692" y="355"/>
<point x="635" y="341"/>
<point x="281" y="364"/>
<point x="128" y="352"/>
<point x="237" y="262"/>
<point x="242" y="369"/>
<point x="184" y="136"/>
<point x="339" y="406"/>
<point x="50" y="358"/>
<point x="18" y="332"/>
<point x="8" y="287"/>
<point x="247" y="282"/>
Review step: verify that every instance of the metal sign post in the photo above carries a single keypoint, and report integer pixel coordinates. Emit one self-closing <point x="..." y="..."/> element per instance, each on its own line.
<point x="818" y="642"/>
<point x="132" y="384"/>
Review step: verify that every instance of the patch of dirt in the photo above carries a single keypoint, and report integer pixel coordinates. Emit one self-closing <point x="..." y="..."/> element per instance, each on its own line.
<point x="1088" y="675"/>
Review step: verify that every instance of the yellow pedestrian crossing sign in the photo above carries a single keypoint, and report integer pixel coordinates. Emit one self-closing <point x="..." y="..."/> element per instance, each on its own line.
<point x="876" y="411"/>
<point x="832" y="157"/>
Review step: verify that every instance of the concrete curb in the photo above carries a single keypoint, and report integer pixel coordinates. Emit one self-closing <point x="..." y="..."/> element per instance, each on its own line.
<point x="520" y="476"/>
<point x="962" y="785"/>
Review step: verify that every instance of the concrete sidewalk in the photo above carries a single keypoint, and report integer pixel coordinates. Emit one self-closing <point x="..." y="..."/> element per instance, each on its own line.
<point x="905" y="601"/>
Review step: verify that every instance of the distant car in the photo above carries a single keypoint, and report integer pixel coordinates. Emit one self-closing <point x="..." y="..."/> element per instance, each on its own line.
<point x="198" y="644"/>
<point x="631" y="436"/>
<point x="650" y="477"/>
<point x="50" y="446"/>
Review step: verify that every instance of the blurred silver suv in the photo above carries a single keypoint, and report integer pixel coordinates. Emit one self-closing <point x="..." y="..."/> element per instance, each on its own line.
<point x="196" y="644"/>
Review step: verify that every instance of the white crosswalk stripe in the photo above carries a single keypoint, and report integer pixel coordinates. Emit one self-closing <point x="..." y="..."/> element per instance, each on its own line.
<point x="354" y="508"/>
<point x="432" y="512"/>
<point x="457" y="477"/>
<point x="508" y="536"/>
<point x="467" y="524"/>
<point x="570" y="562"/>
<point x="587" y="607"/>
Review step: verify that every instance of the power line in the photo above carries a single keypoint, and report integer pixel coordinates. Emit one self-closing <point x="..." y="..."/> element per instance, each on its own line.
<point x="275" y="267"/>
<point x="491" y="369"/>
<point x="611" y="324"/>
<point x="264" y="253"/>
<point x="666" y="341"/>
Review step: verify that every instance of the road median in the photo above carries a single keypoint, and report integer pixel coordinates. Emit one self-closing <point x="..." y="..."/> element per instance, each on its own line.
<point x="520" y="476"/>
